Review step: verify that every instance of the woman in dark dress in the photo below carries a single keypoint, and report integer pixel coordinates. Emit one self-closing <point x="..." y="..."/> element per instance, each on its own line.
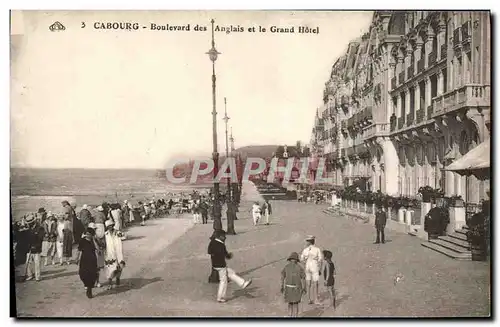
<point x="87" y="260"/>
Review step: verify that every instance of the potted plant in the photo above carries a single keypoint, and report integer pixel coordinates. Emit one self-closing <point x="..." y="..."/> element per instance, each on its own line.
<point x="456" y="201"/>
<point x="476" y="235"/>
<point x="427" y="193"/>
<point x="436" y="221"/>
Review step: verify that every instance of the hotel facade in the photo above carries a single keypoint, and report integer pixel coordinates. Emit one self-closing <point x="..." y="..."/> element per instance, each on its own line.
<point x="405" y="100"/>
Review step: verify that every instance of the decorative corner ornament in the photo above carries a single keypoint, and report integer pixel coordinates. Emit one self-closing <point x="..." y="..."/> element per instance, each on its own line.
<point x="56" y="27"/>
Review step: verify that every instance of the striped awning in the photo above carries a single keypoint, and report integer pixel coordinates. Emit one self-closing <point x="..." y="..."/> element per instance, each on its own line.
<point x="476" y="159"/>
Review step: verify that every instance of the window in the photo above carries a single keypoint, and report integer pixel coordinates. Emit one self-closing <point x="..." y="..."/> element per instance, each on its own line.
<point x="445" y="80"/>
<point x="433" y="79"/>
<point x="403" y="105"/>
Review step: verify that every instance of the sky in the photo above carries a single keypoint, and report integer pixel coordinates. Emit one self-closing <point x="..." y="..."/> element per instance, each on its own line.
<point x="93" y="98"/>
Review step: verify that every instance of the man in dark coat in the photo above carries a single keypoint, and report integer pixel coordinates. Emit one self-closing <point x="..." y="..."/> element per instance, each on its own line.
<point x="33" y="260"/>
<point x="380" y="222"/>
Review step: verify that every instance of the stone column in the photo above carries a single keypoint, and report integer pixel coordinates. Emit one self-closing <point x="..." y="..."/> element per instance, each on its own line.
<point x="391" y="163"/>
<point x="440" y="82"/>
<point x="428" y="100"/>
<point x="441" y="37"/>
<point x="416" y="100"/>
<point x="399" y="106"/>
<point x="407" y="100"/>
<point x="428" y="46"/>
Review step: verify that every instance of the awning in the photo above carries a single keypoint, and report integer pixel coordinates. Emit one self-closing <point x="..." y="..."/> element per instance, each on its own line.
<point x="476" y="159"/>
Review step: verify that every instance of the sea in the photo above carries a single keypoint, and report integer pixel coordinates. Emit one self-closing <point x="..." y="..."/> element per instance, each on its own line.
<point x="33" y="188"/>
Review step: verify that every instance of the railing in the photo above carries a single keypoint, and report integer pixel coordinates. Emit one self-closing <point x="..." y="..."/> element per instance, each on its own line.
<point x="472" y="95"/>
<point x="401" y="77"/>
<point x="376" y="130"/>
<point x="420" y="65"/>
<point x="456" y="37"/>
<point x="466" y="32"/>
<point x="393" y="83"/>
<point x="409" y="119"/>
<point x="420" y="115"/>
<point x="444" y="51"/>
<point x="411" y="71"/>
<point x="430" y="111"/>
<point x="432" y="58"/>
<point x="393" y="124"/>
<point x="401" y="122"/>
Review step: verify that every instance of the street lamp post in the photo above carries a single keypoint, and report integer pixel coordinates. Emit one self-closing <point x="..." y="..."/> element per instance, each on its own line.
<point x="226" y="119"/>
<point x="213" y="53"/>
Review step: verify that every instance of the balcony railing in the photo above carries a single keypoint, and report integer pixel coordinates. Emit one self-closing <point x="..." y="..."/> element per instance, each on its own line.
<point x="401" y="122"/>
<point x="472" y="95"/>
<point x="393" y="123"/>
<point x="411" y="70"/>
<point x="456" y="37"/>
<point x="466" y="32"/>
<point x="420" y="65"/>
<point x="401" y="77"/>
<point x="409" y="118"/>
<point x="432" y="58"/>
<point x="420" y="115"/>
<point x="430" y="111"/>
<point x="393" y="83"/>
<point x="376" y="130"/>
<point x="444" y="51"/>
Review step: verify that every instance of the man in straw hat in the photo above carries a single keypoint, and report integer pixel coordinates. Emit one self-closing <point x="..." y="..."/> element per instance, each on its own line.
<point x="35" y="237"/>
<point x="218" y="254"/>
<point x="312" y="258"/>
<point x="114" y="254"/>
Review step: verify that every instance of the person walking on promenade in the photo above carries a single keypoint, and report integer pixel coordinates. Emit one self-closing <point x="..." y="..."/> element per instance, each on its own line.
<point x="116" y="215"/>
<point x="67" y="250"/>
<point x="256" y="213"/>
<point x="218" y="254"/>
<point x="100" y="246"/>
<point x="85" y="216"/>
<point x="60" y="239"/>
<point x="329" y="276"/>
<point x="100" y="218"/>
<point x="380" y="222"/>
<point x="49" y="239"/>
<point x="313" y="258"/>
<point x="204" y="211"/>
<point x="36" y="233"/>
<point x="293" y="284"/>
<point x="87" y="261"/>
<point x="114" y="254"/>
<point x="267" y="210"/>
<point x="196" y="212"/>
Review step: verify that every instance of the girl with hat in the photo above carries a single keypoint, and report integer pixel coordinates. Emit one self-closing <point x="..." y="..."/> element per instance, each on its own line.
<point x="87" y="260"/>
<point x="293" y="284"/>
<point x="49" y="238"/>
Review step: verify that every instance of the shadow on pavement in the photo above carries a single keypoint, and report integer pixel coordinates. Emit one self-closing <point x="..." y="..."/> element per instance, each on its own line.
<point x="314" y="312"/>
<point x="246" y="272"/>
<point x="130" y="238"/>
<point x="66" y="274"/>
<point x="56" y="271"/>
<point x="246" y="293"/>
<point x="130" y="284"/>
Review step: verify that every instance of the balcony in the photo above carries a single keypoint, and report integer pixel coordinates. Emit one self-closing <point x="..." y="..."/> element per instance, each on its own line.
<point x="420" y="65"/>
<point x="393" y="83"/>
<point x="430" y="111"/>
<point x="472" y="95"/>
<point x="401" y="122"/>
<point x="456" y="38"/>
<point x="411" y="71"/>
<point x="444" y="51"/>
<point x="466" y="32"/>
<point x="432" y="58"/>
<point x="420" y="115"/>
<point x="410" y="118"/>
<point x="376" y="130"/>
<point x="401" y="77"/>
<point x="393" y="123"/>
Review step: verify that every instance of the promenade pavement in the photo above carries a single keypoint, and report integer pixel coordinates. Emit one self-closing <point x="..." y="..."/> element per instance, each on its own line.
<point x="166" y="278"/>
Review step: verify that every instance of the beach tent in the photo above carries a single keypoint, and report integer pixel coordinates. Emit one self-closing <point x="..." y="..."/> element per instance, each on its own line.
<point x="475" y="162"/>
